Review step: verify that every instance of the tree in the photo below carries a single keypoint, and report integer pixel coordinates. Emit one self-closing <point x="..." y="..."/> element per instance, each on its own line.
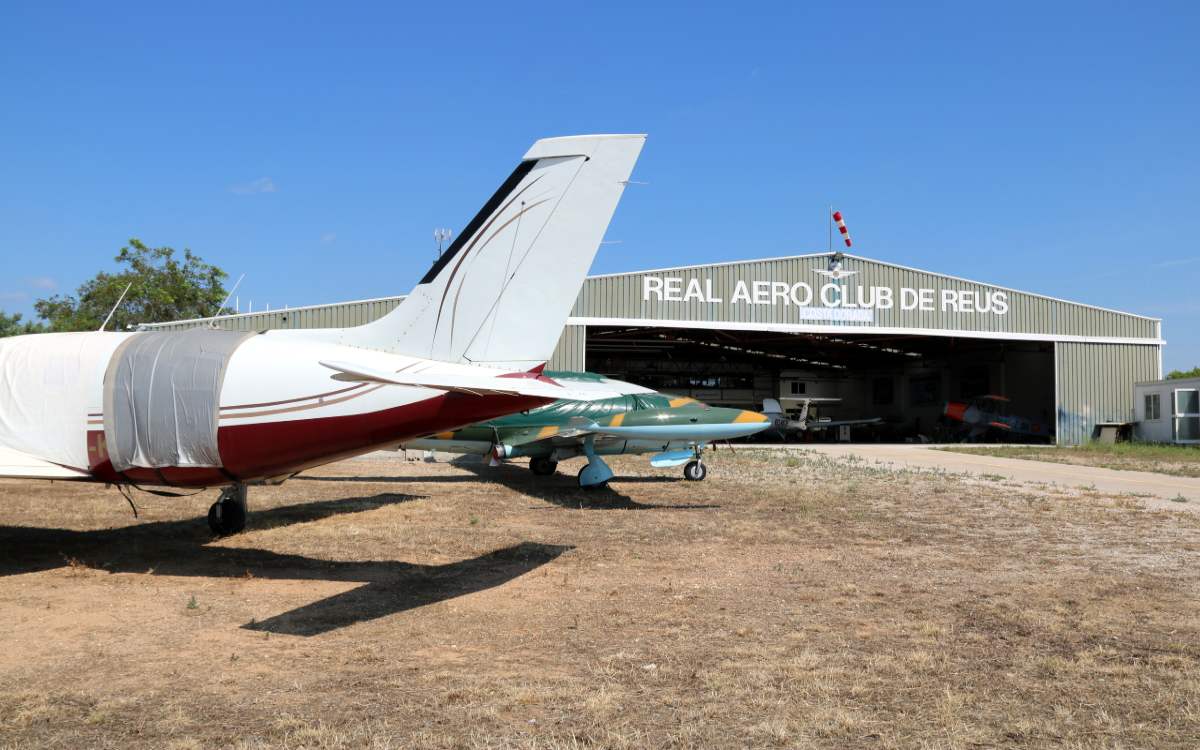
<point x="1179" y="374"/>
<point x="11" y="325"/>
<point x="163" y="288"/>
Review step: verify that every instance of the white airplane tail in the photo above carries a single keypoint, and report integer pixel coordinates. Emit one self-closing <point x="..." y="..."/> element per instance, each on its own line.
<point x="501" y="293"/>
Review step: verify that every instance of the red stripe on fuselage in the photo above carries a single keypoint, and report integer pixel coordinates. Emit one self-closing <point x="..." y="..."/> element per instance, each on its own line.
<point x="272" y="449"/>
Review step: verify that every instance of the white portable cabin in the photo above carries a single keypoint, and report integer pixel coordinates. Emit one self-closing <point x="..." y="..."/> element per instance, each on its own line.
<point x="1168" y="411"/>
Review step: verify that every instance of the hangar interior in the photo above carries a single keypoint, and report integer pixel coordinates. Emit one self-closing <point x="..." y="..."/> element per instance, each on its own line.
<point x="903" y="379"/>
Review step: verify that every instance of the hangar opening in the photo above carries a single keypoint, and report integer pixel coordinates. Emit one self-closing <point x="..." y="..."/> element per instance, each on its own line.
<point x="903" y="381"/>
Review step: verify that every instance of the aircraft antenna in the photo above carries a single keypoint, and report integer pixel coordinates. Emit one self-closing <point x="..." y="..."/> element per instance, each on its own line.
<point x="213" y="323"/>
<point x="114" y="307"/>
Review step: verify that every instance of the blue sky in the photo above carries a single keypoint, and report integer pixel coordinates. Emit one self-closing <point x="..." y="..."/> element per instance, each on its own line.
<point x="314" y="147"/>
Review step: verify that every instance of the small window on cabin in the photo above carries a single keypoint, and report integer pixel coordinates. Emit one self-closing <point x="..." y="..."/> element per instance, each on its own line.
<point x="1153" y="407"/>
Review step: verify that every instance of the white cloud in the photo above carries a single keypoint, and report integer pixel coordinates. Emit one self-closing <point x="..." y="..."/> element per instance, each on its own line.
<point x="328" y="238"/>
<point x="261" y="185"/>
<point x="14" y="296"/>
<point x="1176" y="262"/>
<point x="42" y="282"/>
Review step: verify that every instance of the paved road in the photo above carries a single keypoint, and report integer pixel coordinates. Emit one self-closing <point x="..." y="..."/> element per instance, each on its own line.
<point x="1161" y="486"/>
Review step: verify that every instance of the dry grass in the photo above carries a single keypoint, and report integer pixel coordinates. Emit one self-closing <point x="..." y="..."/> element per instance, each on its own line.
<point x="1175" y="460"/>
<point x="381" y="604"/>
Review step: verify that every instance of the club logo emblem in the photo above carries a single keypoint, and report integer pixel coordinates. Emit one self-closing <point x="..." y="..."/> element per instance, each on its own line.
<point x="835" y="272"/>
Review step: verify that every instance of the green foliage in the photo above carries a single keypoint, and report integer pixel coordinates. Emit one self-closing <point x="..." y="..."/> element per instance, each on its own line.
<point x="1180" y="374"/>
<point x="11" y="325"/>
<point x="163" y="288"/>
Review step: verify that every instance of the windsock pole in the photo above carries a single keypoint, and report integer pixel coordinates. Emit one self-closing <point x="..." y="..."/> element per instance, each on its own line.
<point x="831" y="232"/>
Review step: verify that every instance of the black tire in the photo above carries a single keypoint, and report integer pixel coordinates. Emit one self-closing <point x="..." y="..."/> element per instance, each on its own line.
<point x="695" y="471"/>
<point x="226" y="518"/>
<point x="543" y="466"/>
<point x="590" y="487"/>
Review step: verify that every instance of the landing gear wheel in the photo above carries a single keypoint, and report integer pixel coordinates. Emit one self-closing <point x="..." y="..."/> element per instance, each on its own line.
<point x="695" y="471"/>
<point x="543" y="466"/>
<point x="228" y="514"/>
<point x="600" y="486"/>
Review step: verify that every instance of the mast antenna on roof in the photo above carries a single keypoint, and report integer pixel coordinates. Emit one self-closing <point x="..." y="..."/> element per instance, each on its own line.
<point x="114" y="307"/>
<point x="213" y="322"/>
<point x="441" y="236"/>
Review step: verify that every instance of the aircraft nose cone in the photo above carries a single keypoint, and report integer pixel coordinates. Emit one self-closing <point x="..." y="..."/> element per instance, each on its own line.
<point x="742" y="422"/>
<point x="750" y="417"/>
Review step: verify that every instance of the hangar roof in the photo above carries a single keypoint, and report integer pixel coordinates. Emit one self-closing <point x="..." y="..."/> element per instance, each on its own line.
<point x="810" y="294"/>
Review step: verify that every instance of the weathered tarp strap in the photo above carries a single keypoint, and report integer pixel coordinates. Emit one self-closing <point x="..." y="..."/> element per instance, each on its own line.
<point x="161" y="396"/>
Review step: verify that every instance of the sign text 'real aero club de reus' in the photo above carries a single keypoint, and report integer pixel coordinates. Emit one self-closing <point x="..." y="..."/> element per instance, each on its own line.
<point x="830" y="299"/>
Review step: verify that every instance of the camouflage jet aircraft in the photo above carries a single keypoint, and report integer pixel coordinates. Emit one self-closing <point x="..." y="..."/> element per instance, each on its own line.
<point x="633" y="420"/>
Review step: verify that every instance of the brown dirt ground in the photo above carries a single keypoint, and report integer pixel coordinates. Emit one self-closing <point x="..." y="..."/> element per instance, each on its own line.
<point x="787" y="601"/>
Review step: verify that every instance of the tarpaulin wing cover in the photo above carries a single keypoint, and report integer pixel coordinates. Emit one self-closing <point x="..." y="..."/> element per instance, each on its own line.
<point x="161" y="397"/>
<point x="48" y="384"/>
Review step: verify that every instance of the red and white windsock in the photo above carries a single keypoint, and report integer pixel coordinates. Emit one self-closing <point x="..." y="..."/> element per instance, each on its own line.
<point x="841" y="225"/>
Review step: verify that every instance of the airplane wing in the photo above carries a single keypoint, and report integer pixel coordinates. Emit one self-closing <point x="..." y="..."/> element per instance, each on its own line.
<point x="843" y="423"/>
<point x="471" y="385"/>
<point x="18" y="465"/>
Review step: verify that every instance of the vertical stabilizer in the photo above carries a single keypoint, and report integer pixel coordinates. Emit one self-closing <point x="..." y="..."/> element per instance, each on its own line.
<point x="501" y="293"/>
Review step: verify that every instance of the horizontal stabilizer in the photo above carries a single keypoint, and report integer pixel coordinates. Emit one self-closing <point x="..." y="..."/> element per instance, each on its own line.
<point x="472" y="385"/>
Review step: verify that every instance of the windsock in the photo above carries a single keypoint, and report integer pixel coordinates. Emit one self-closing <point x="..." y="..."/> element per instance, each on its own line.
<point x="841" y="225"/>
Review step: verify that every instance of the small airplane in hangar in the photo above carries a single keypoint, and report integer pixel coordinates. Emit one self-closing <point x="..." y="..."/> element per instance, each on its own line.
<point x="783" y="425"/>
<point x="982" y="415"/>
<point x="636" y="420"/>
<point x="205" y="407"/>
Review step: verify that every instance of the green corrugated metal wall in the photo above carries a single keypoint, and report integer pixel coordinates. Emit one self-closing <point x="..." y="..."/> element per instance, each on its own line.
<point x="1094" y="383"/>
<point x="571" y="350"/>
<point x="336" y="315"/>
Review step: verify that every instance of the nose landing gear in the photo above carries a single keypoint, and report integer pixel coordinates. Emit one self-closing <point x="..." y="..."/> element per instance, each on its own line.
<point x="228" y="514"/>
<point x="695" y="470"/>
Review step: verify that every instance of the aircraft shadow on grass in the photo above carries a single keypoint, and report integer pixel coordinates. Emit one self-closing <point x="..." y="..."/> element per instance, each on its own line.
<point x="179" y="548"/>
<point x="561" y="489"/>
<point x="564" y="491"/>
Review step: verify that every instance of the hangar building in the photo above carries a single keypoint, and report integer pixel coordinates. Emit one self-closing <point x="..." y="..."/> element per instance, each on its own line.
<point x="885" y="340"/>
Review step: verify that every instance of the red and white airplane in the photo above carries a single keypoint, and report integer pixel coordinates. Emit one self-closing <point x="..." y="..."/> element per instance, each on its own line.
<point x="206" y="407"/>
